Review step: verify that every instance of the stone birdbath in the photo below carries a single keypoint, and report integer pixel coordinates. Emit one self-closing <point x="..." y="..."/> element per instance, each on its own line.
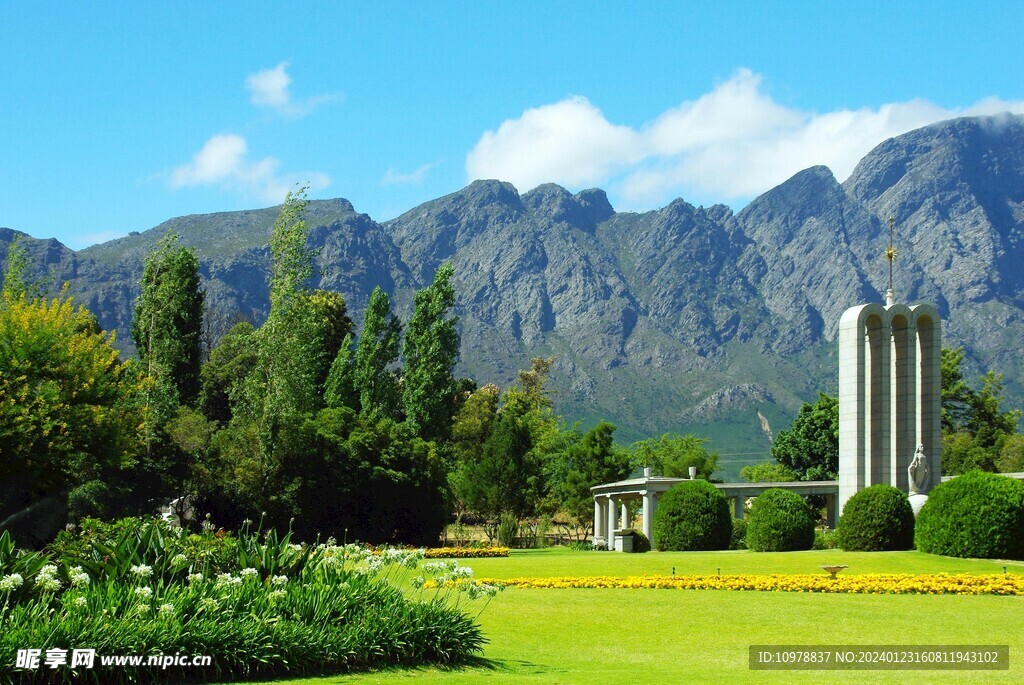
<point x="833" y="570"/>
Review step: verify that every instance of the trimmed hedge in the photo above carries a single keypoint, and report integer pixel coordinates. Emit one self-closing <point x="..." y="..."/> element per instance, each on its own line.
<point x="877" y="519"/>
<point x="780" y="521"/>
<point x="976" y="515"/>
<point x="693" y="515"/>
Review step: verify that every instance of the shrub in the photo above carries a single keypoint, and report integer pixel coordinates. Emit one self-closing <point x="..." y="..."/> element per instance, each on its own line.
<point x="581" y="546"/>
<point x="508" y="530"/>
<point x="780" y="521"/>
<point x="877" y="519"/>
<point x="739" y="534"/>
<point x="826" y="539"/>
<point x="640" y="542"/>
<point x="693" y="515"/>
<point x="978" y="515"/>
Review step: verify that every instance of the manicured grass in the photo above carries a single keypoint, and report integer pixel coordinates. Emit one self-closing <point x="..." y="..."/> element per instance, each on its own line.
<point x="684" y="636"/>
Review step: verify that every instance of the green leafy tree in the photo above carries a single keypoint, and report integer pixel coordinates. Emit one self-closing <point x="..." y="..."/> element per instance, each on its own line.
<point x="18" y="277"/>
<point x="431" y="348"/>
<point x="70" y="410"/>
<point x="507" y="478"/>
<point x="470" y="429"/>
<point x="672" y="456"/>
<point x="325" y="326"/>
<point x="376" y="352"/>
<point x="1011" y="456"/>
<point x="223" y="376"/>
<point x="590" y="461"/>
<point x="974" y="426"/>
<point x="956" y="395"/>
<point x="810" y="448"/>
<point x="168" y="320"/>
<point x="767" y="472"/>
<point x="340" y="387"/>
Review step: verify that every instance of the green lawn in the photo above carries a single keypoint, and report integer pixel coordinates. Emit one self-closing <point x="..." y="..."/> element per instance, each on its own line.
<point x="559" y="561"/>
<point x="685" y="636"/>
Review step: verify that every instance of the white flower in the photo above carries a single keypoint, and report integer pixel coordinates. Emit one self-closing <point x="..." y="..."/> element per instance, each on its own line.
<point x="142" y="571"/>
<point x="279" y="580"/>
<point x="46" y="579"/>
<point x="418" y="582"/>
<point x="433" y="567"/>
<point x="11" y="582"/>
<point x="278" y="594"/>
<point x="226" y="579"/>
<point x="247" y="572"/>
<point x="179" y="560"/>
<point x="208" y="603"/>
<point x="195" y="578"/>
<point x="79" y="578"/>
<point x="166" y="609"/>
<point x="81" y="601"/>
<point x="460" y="572"/>
<point x="144" y="592"/>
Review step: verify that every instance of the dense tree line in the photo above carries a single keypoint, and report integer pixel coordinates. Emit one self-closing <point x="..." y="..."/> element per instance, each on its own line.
<point x="303" y="421"/>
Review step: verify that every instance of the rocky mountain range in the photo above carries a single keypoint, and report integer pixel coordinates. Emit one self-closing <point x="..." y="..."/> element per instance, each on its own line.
<point x="680" y="319"/>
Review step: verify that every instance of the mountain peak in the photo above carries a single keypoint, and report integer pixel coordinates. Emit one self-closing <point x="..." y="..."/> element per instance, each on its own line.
<point x="584" y="210"/>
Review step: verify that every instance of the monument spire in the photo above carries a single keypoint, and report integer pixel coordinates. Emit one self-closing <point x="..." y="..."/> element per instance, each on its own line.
<point x="890" y="254"/>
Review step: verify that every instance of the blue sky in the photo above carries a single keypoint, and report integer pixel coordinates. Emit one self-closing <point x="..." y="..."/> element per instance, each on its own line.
<point x="117" y="116"/>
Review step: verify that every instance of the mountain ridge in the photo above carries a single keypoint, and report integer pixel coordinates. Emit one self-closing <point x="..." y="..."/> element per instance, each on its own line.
<point x="676" y="319"/>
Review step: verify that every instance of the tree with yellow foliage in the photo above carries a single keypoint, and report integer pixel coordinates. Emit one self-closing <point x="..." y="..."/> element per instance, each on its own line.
<point x="69" y="407"/>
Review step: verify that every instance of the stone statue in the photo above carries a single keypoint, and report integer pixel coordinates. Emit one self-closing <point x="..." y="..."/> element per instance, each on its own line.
<point x="918" y="472"/>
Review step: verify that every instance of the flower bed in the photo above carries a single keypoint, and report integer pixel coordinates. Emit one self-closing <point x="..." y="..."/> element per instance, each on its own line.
<point x="465" y="552"/>
<point x="263" y="607"/>
<point x="879" y="583"/>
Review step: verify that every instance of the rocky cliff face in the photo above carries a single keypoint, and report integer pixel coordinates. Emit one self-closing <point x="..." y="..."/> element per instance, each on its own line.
<point x="684" y="318"/>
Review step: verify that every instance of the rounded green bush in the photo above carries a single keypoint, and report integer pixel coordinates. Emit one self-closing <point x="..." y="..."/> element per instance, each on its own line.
<point x="877" y="519"/>
<point x="780" y="521"/>
<point x="693" y="515"/>
<point x="976" y="515"/>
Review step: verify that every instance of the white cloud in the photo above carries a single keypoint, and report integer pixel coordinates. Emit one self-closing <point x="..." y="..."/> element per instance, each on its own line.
<point x="392" y="177"/>
<point x="224" y="162"/>
<point x="271" y="88"/>
<point x="731" y="143"/>
<point x="568" y="142"/>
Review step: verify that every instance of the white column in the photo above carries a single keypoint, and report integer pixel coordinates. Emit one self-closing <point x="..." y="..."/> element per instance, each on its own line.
<point x="904" y="396"/>
<point x="597" y="520"/>
<point x="624" y="514"/>
<point x="879" y="453"/>
<point x="647" y="521"/>
<point x="737" y="506"/>
<point x="929" y="387"/>
<point x="853" y="420"/>
<point x="611" y="523"/>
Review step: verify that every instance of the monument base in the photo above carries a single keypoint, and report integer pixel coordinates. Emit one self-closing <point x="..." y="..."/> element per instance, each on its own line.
<point x="916" y="502"/>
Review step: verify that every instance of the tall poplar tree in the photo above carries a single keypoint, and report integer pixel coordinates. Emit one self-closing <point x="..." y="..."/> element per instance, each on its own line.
<point x="376" y="351"/>
<point x="431" y="348"/>
<point x="169" y="320"/>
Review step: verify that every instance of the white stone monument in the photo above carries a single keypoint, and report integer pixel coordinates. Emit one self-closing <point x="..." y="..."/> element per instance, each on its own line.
<point x="890" y="396"/>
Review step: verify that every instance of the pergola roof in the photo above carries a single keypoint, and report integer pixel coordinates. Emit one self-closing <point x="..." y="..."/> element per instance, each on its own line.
<point x="635" y="487"/>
